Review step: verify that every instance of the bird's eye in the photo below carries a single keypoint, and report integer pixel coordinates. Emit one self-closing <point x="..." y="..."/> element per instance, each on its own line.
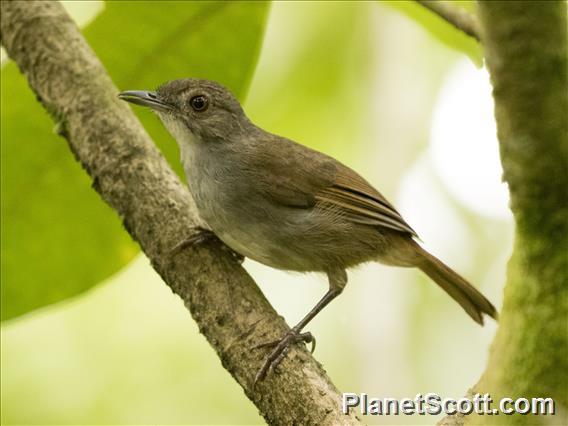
<point x="199" y="103"/>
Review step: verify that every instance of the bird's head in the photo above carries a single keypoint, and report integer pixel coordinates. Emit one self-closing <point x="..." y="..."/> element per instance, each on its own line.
<point x="193" y="110"/>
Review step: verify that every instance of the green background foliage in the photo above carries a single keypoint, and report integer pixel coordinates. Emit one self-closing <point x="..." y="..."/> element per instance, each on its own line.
<point x="439" y="28"/>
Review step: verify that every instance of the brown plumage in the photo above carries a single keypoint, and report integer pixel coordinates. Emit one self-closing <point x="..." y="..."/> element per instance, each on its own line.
<point x="286" y="205"/>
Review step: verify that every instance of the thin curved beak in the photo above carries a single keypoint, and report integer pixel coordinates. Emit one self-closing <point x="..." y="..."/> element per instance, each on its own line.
<point x="145" y="98"/>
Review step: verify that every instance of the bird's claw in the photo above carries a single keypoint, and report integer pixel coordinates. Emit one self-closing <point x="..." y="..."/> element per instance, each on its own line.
<point x="201" y="236"/>
<point x="282" y="347"/>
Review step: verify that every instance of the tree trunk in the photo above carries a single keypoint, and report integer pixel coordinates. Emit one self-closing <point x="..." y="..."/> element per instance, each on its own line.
<point x="526" y="53"/>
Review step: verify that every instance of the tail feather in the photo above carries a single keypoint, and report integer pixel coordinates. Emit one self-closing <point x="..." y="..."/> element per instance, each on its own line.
<point x="469" y="298"/>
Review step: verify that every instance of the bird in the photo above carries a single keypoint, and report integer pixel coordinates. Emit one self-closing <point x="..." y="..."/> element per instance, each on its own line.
<point x="285" y="205"/>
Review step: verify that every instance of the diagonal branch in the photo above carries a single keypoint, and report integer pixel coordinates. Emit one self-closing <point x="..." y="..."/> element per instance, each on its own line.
<point x="456" y="16"/>
<point x="134" y="179"/>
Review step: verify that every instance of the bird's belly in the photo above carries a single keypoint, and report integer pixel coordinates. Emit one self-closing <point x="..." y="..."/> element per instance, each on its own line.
<point x="260" y="236"/>
<point x="254" y="241"/>
<point x="259" y="249"/>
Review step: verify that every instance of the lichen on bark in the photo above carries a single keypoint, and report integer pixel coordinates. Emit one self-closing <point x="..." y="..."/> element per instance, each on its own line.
<point x="526" y="53"/>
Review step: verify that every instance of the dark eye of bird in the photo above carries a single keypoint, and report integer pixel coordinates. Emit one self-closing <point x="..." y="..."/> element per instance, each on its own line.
<point x="199" y="103"/>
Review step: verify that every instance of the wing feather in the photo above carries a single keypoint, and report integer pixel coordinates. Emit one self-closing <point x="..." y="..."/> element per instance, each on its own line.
<point x="361" y="202"/>
<point x="303" y="178"/>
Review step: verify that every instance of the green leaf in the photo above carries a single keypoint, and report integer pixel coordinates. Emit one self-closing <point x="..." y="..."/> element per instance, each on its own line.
<point x="441" y="29"/>
<point x="58" y="237"/>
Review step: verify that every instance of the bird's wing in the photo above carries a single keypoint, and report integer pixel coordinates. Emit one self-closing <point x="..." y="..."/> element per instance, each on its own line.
<point x="360" y="202"/>
<point x="303" y="178"/>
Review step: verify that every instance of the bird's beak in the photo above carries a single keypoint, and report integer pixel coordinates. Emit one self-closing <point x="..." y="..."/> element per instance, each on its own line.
<point x="145" y="98"/>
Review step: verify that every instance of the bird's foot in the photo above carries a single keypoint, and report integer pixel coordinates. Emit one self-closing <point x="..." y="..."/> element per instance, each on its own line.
<point x="282" y="347"/>
<point x="201" y="236"/>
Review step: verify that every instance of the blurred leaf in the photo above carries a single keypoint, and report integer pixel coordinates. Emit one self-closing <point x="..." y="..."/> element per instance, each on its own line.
<point x="441" y="29"/>
<point x="58" y="238"/>
<point x="316" y="75"/>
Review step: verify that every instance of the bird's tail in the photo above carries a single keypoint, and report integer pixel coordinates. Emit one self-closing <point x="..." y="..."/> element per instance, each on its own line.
<point x="469" y="298"/>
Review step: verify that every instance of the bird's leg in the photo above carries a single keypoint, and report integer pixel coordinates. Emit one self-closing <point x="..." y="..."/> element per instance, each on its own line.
<point x="337" y="280"/>
<point x="201" y="236"/>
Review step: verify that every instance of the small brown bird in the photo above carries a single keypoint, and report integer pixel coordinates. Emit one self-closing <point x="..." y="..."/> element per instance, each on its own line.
<point x="286" y="205"/>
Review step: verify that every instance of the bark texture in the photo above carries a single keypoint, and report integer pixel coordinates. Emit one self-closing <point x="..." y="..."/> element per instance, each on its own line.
<point x="526" y="53"/>
<point x="131" y="176"/>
